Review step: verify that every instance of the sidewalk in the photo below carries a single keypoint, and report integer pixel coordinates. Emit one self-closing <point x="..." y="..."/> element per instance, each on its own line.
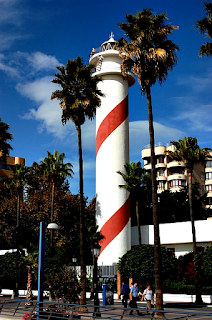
<point x="116" y="311"/>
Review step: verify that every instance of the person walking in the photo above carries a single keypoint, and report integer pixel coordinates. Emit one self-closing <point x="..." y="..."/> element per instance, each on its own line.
<point x="134" y="293"/>
<point x="147" y="296"/>
<point x="124" y="294"/>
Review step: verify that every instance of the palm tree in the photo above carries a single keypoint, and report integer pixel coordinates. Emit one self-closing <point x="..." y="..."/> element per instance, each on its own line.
<point x="5" y="147"/>
<point x="54" y="169"/>
<point x="149" y="55"/>
<point x="205" y="27"/>
<point x="133" y="178"/>
<point x="79" y="99"/>
<point x="188" y="151"/>
<point x="19" y="178"/>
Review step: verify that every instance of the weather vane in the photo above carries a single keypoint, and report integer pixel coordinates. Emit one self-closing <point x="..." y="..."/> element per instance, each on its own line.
<point x="111" y="35"/>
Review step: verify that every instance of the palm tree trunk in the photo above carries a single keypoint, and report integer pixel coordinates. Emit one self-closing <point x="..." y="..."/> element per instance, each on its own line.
<point x="18" y="210"/>
<point x="52" y="215"/>
<point x="197" y="280"/>
<point x="82" y="241"/>
<point x="158" y="281"/>
<point x="29" y="294"/>
<point x="138" y="222"/>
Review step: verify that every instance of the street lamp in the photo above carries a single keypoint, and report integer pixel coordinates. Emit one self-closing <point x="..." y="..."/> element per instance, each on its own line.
<point x="74" y="261"/>
<point x="96" y="252"/>
<point x="41" y="262"/>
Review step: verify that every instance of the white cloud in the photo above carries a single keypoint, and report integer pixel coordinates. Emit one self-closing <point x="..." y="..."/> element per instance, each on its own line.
<point x="40" y="61"/>
<point x="47" y="112"/>
<point x="195" y="83"/>
<point x="139" y="136"/>
<point x="39" y="90"/>
<point x="197" y="117"/>
<point x="12" y="72"/>
<point x="11" y="19"/>
<point x="10" y="12"/>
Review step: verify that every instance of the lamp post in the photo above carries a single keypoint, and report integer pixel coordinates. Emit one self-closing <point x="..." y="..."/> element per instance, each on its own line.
<point x="41" y="263"/>
<point x="74" y="260"/>
<point x="96" y="252"/>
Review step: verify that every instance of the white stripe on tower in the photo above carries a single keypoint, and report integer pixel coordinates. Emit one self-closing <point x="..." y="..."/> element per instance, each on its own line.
<point x="112" y="152"/>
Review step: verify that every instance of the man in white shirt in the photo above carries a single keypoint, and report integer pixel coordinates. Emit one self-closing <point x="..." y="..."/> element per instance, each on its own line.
<point x="147" y="296"/>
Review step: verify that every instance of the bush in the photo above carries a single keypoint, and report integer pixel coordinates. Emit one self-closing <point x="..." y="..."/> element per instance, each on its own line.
<point x="183" y="288"/>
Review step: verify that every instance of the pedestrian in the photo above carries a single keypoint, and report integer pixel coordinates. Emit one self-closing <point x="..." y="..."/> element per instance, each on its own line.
<point x="134" y="293"/>
<point x="147" y="296"/>
<point x="124" y="294"/>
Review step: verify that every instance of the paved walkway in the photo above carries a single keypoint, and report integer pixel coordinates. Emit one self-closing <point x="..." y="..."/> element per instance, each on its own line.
<point x="116" y="311"/>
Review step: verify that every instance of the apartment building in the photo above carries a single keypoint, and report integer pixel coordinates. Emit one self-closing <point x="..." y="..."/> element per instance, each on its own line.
<point x="173" y="174"/>
<point x="5" y="169"/>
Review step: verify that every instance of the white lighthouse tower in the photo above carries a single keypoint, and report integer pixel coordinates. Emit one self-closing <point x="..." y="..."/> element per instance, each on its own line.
<point x="112" y="152"/>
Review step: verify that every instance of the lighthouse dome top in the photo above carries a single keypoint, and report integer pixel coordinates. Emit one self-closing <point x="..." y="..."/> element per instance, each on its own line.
<point x="110" y="44"/>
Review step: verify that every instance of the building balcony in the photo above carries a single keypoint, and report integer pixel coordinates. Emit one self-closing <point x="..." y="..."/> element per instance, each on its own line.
<point x="174" y="163"/>
<point x="160" y="150"/>
<point x="160" y="165"/>
<point x="148" y="166"/>
<point x="176" y="189"/>
<point x="171" y="148"/>
<point x="146" y="153"/>
<point x="208" y="182"/>
<point x="177" y="176"/>
<point x="160" y="190"/>
<point x="208" y="206"/>
<point x="161" y="178"/>
<point x="209" y="194"/>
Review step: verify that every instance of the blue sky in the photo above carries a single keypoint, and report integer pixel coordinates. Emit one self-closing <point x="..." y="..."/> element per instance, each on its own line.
<point x="38" y="35"/>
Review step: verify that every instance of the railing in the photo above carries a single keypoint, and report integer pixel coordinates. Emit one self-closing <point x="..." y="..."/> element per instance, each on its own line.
<point x="22" y="309"/>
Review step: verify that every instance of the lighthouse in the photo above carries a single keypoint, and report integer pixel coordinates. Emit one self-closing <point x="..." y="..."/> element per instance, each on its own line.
<point x="112" y="152"/>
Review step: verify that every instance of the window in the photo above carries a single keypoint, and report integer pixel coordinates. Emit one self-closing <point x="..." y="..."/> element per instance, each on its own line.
<point x="208" y="188"/>
<point x="161" y="185"/>
<point x="160" y="159"/>
<point x="209" y="201"/>
<point x="208" y="163"/>
<point x="6" y="166"/>
<point x="177" y="183"/>
<point x="208" y="176"/>
<point x="161" y="173"/>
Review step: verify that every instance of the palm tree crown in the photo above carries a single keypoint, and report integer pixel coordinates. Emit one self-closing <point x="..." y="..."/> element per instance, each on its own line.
<point x="188" y="150"/>
<point x="205" y="27"/>
<point x="79" y="96"/>
<point x="53" y="166"/>
<point x="149" y="54"/>
<point x="133" y="176"/>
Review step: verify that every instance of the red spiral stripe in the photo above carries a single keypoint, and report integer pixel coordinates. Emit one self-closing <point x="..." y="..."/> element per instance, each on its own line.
<point x="115" y="224"/>
<point x="111" y="122"/>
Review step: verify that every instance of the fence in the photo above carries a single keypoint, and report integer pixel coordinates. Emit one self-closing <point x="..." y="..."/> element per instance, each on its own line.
<point x="22" y="309"/>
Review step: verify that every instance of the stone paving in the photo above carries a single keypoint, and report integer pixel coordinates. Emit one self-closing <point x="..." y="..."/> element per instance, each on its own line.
<point x="172" y="311"/>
